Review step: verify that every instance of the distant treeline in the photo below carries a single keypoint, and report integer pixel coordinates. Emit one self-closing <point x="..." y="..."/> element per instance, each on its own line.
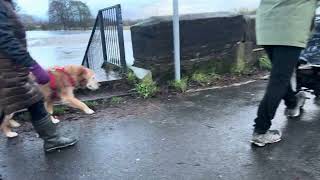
<point x="65" y="15"/>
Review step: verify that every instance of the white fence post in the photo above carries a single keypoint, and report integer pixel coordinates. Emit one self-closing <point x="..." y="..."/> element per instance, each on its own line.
<point x="176" y="36"/>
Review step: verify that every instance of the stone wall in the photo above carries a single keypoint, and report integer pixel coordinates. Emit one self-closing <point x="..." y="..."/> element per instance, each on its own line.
<point x="216" y="40"/>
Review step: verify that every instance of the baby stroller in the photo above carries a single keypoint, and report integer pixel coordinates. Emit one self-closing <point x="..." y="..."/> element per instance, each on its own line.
<point x="308" y="70"/>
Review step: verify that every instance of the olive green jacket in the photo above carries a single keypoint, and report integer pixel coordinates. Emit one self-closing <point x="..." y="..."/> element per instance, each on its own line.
<point x="285" y="22"/>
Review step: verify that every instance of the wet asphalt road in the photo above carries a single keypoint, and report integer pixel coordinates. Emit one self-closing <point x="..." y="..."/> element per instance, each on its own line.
<point x="202" y="136"/>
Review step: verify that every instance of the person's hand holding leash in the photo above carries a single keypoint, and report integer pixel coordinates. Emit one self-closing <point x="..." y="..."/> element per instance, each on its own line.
<point x="41" y="75"/>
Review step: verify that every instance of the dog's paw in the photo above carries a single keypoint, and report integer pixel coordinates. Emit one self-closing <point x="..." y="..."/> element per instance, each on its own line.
<point x="89" y="111"/>
<point x="14" y="124"/>
<point x="54" y="120"/>
<point x="11" y="134"/>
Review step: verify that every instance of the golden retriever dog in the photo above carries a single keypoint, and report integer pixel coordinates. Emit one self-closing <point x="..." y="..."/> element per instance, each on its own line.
<point x="63" y="82"/>
<point x="7" y="124"/>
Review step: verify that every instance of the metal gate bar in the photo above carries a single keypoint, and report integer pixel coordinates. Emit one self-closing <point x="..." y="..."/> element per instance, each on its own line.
<point x="106" y="43"/>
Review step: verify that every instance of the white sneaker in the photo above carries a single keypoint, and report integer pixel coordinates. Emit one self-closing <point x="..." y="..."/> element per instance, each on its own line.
<point x="296" y="111"/>
<point x="271" y="136"/>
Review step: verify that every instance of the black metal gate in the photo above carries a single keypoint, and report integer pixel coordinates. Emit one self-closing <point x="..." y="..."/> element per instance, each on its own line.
<point x="106" y="44"/>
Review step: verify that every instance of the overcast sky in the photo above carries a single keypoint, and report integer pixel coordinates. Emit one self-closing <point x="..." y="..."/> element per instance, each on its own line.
<point x="144" y="8"/>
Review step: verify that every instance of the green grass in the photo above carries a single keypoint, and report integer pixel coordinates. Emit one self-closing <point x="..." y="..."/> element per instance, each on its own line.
<point x="59" y="110"/>
<point x="92" y="103"/>
<point x="205" y="78"/>
<point x="201" y="78"/>
<point x="264" y="63"/>
<point x="116" y="100"/>
<point x="181" y="85"/>
<point x="213" y="75"/>
<point x="240" y="67"/>
<point x="147" y="88"/>
<point x="131" y="77"/>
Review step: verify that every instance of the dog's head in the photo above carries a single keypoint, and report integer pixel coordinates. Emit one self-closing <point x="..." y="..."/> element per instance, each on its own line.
<point x="87" y="79"/>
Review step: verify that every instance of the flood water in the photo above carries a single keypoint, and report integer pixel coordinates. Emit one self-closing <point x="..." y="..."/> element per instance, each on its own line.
<point x="56" y="48"/>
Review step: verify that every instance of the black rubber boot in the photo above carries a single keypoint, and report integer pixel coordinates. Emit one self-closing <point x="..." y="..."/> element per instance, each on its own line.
<point x="52" y="140"/>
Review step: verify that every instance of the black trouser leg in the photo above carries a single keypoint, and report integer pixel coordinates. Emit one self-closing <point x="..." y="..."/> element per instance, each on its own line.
<point x="38" y="111"/>
<point x="284" y="59"/>
<point x="289" y="99"/>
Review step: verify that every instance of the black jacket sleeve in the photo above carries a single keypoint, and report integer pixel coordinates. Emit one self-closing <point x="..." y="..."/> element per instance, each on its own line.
<point x="10" y="45"/>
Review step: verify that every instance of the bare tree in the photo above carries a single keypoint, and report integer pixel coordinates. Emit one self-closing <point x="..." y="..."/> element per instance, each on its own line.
<point x="80" y="14"/>
<point x="59" y="13"/>
<point x="68" y="14"/>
